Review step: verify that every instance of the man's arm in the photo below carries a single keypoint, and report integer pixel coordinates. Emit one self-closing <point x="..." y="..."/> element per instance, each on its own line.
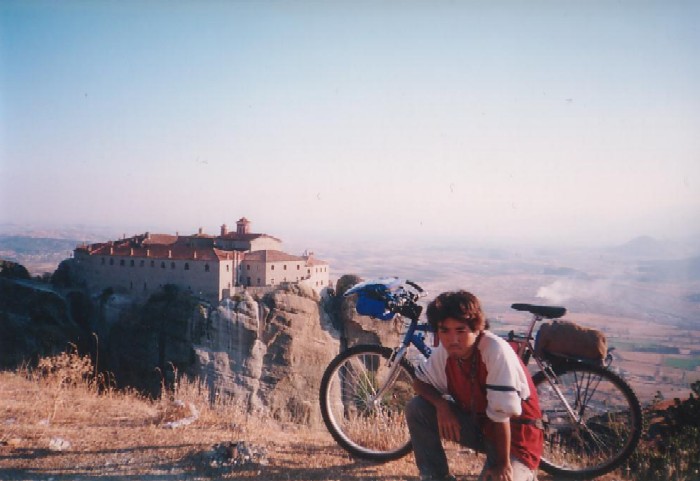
<point x="500" y="436"/>
<point x="448" y="424"/>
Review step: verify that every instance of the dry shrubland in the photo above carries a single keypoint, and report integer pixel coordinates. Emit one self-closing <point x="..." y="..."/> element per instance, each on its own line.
<point x="61" y="421"/>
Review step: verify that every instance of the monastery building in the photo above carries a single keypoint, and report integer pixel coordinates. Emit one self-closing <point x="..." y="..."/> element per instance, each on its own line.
<point x="212" y="267"/>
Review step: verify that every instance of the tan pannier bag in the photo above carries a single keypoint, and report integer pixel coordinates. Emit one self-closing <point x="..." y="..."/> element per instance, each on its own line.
<point x="570" y="339"/>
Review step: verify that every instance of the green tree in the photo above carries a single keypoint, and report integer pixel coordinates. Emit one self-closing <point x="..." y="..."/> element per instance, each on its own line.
<point x="12" y="270"/>
<point x="672" y="448"/>
<point x="64" y="275"/>
<point x="166" y="315"/>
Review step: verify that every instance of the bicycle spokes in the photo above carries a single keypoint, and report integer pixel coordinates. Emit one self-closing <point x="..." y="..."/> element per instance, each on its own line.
<point x="593" y="419"/>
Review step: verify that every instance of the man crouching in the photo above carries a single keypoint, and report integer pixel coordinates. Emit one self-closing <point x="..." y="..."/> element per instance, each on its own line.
<point x="493" y="406"/>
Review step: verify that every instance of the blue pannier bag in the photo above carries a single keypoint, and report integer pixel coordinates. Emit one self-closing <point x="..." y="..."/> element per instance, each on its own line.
<point x="372" y="298"/>
<point x="368" y="306"/>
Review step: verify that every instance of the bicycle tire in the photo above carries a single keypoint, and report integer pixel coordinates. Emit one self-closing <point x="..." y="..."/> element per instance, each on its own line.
<point x="610" y="427"/>
<point x="375" y="431"/>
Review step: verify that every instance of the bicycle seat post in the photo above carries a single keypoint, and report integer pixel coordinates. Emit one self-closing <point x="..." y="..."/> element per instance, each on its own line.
<point x="535" y="319"/>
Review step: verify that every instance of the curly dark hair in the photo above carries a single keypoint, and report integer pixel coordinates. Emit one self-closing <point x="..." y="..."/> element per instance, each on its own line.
<point x="460" y="305"/>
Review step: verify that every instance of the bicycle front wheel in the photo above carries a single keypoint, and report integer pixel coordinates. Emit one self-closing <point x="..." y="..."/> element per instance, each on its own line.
<point x="605" y="426"/>
<point x="368" y="425"/>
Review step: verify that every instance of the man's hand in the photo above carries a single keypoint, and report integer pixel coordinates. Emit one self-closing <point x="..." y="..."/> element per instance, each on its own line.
<point x="448" y="424"/>
<point x="499" y="473"/>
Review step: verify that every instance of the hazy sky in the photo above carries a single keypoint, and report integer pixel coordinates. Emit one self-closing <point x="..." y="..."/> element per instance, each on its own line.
<point x="561" y="120"/>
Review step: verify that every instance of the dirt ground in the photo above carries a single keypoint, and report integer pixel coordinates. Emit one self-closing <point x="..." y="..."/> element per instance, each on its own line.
<point x="52" y="430"/>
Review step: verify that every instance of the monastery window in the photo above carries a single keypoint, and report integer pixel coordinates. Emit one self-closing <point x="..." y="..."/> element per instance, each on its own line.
<point x="153" y="263"/>
<point x="228" y="269"/>
<point x="187" y="266"/>
<point x="285" y="267"/>
<point x="172" y="265"/>
<point x="132" y="263"/>
<point x="111" y="262"/>
<point x="258" y="281"/>
<point x="121" y="262"/>
<point x="162" y="265"/>
<point x="297" y="266"/>
<point x="206" y="267"/>
<point x="247" y="267"/>
<point x="272" y="282"/>
<point x="142" y="263"/>
<point x="272" y="267"/>
<point x="103" y="261"/>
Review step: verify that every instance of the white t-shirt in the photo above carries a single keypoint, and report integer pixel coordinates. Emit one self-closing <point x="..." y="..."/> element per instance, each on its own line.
<point x="506" y="382"/>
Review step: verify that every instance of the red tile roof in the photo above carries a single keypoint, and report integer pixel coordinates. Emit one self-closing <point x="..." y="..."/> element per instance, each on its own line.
<point x="172" y="247"/>
<point x="270" y="256"/>
<point x="246" y="237"/>
<point x="195" y="247"/>
<point x="279" y="256"/>
<point x="312" y="261"/>
<point x="159" y="238"/>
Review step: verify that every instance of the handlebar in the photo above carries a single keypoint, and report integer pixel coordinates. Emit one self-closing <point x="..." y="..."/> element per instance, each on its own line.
<point x="415" y="286"/>
<point x="382" y="298"/>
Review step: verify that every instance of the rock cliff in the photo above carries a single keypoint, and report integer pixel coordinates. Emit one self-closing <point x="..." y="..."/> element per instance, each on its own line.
<point x="273" y="352"/>
<point x="35" y="321"/>
<point x="268" y="351"/>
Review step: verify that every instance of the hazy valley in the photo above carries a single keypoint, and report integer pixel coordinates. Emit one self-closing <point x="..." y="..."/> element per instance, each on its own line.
<point x="644" y="294"/>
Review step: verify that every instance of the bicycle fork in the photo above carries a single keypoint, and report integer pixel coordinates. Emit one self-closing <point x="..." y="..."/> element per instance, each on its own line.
<point x="394" y="365"/>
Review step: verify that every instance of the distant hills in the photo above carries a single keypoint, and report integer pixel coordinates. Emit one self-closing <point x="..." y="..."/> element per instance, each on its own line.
<point x="41" y="249"/>
<point x="38" y="255"/>
<point x="83" y="233"/>
<point x="21" y="245"/>
<point x="670" y="270"/>
<point x="648" y="247"/>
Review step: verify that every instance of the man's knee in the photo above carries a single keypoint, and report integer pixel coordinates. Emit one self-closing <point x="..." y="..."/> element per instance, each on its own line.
<point x="418" y="409"/>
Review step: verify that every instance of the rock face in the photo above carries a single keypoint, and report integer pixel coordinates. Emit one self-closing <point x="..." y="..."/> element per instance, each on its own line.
<point x="35" y="321"/>
<point x="356" y="329"/>
<point x="271" y="353"/>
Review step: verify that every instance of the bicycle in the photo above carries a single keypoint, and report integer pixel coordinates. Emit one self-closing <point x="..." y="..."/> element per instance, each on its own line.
<point x="592" y="417"/>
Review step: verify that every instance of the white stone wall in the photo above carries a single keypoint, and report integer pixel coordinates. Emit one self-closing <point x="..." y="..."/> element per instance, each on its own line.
<point x="252" y="273"/>
<point x="212" y="279"/>
<point x="227" y="278"/>
<point x="141" y="276"/>
<point x="285" y="271"/>
<point x="265" y="243"/>
<point x="318" y="277"/>
<point x="273" y="273"/>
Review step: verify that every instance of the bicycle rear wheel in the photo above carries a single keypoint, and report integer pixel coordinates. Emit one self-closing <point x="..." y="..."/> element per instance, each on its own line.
<point x="609" y="420"/>
<point x="367" y="426"/>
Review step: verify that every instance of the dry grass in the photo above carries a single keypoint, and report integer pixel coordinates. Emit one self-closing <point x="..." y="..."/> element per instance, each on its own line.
<point x="59" y="422"/>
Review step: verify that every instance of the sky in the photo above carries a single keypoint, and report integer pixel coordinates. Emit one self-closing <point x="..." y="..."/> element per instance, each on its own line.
<point x="484" y="121"/>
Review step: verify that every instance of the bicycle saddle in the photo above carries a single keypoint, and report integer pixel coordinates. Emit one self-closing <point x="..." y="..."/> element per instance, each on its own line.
<point x="548" y="312"/>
